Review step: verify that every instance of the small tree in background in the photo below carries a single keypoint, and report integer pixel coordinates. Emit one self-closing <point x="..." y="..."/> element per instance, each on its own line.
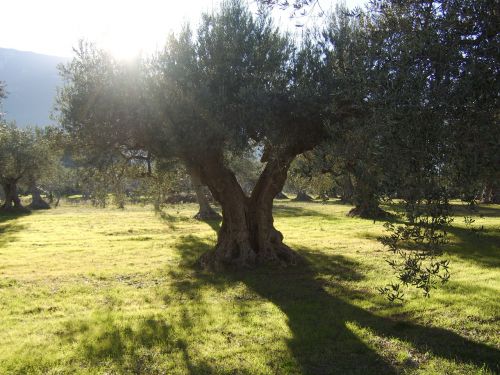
<point x="50" y="145"/>
<point x="23" y="153"/>
<point x="3" y="95"/>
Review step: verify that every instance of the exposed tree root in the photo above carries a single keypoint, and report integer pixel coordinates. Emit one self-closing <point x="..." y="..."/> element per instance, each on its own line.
<point x="231" y="253"/>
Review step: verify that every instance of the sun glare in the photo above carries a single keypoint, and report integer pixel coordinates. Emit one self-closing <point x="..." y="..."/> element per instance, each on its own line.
<point x="124" y="27"/>
<point x="130" y="28"/>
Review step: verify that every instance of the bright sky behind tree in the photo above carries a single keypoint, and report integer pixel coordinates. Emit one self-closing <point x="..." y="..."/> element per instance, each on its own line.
<point x="125" y="27"/>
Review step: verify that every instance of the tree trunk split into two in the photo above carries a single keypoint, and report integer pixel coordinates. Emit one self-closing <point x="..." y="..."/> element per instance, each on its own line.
<point x="247" y="236"/>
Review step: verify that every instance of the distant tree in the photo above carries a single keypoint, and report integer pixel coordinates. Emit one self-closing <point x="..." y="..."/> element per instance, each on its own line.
<point x="471" y="46"/>
<point x="159" y="180"/>
<point x="435" y="87"/>
<point x="205" y="211"/>
<point x="50" y="146"/>
<point x="351" y="154"/>
<point x="3" y="93"/>
<point x="299" y="179"/>
<point x="22" y="154"/>
<point x="246" y="166"/>
<point x="61" y="181"/>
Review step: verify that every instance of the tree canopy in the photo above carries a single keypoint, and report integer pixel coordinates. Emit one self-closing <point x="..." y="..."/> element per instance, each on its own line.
<point x="24" y="153"/>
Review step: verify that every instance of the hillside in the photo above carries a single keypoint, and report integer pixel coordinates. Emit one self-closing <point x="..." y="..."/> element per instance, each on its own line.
<point x="31" y="80"/>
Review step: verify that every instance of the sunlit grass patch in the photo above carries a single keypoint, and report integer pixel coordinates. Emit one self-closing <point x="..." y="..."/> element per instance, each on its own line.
<point x="87" y="290"/>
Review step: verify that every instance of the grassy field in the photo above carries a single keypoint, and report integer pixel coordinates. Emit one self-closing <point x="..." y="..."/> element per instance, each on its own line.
<point x="108" y="291"/>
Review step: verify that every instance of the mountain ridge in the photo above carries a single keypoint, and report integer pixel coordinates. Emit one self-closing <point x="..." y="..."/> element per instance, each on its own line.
<point x="31" y="80"/>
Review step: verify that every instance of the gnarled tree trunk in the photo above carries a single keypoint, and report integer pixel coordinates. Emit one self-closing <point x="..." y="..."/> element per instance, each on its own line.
<point x="205" y="212"/>
<point x="368" y="208"/>
<point x="12" y="201"/>
<point x="281" y="195"/>
<point x="365" y="198"/>
<point x="347" y="189"/>
<point x="247" y="235"/>
<point x="37" y="202"/>
<point x="302" y="196"/>
<point x="491" y="194"/>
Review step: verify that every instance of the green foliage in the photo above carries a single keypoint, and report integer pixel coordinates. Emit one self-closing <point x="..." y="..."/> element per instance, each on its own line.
<point x="246" y="167"/>
<point x="166" y="178"/>
<point x="418" y="245"/>
<point x="228" y="87"/>
<point x="408" y="67"/>
<point x="23" y="152"/>
<point x="218" y="88"/>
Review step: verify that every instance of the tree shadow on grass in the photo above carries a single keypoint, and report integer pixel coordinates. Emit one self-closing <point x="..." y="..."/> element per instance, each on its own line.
<point x="9" y="227"/>
<point x="482" y="248"/>
<point x="477" y="246"/>
<point x="280" y="210"/>
<point x="323" y="342"/>
<point x="132" y="347"/>
<point x="481" y="210"/>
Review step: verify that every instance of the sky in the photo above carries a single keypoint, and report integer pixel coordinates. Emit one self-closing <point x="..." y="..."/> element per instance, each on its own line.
<point x="125" y="27"/>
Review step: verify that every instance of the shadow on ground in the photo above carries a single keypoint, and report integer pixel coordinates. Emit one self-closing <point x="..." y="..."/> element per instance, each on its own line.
<point x="9" y="227"/>
<point x="322" y="341"/>
<point x="477" y="247"/>
<point x="127" y="346"/>
<point x="288" y="210"/>
<point x="475" y="244"/>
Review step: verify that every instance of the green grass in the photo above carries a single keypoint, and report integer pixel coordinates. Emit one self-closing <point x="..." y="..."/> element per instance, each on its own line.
<point x="107" y="291"/>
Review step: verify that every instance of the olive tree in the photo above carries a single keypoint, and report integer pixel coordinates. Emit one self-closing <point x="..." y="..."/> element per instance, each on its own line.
<point x="235" y="83"/>
<point x="23" y="153"/>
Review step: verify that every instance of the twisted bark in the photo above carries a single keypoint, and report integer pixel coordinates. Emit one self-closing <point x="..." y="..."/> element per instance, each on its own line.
<point x="302" y="196"/>
<point x="205" y="212"/>
<point x="247" y="236"/>
<point x="12" y="201"/>
<point x="37" y="202"/>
